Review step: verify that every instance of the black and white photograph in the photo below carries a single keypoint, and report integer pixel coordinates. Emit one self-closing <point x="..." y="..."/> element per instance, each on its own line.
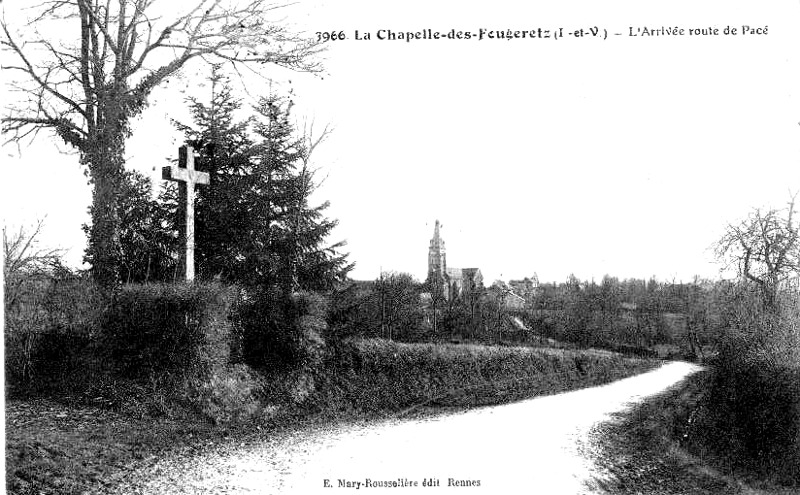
<point x="458" y="247"/>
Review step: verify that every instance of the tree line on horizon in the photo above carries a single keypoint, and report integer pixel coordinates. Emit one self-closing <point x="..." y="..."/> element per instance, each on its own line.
<point x="632" y="314"/>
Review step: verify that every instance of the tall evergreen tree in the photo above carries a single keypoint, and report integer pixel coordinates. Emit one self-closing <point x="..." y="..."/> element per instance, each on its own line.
<point x="255" y="223"/>
<point x="222" y="213"/>
<point x="298" y="230"/>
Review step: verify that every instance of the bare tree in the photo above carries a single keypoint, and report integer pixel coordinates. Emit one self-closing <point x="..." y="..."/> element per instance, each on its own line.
<point x="764" y="249"/>
<point x="87" y="91"/>
<point x="22" y="257"/>
<point x="25" y="270"/>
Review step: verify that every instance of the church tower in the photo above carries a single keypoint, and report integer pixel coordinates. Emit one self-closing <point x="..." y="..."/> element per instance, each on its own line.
<point x="437" y="258"/>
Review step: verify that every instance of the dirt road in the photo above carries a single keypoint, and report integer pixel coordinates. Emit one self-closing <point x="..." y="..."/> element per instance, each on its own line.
<point x="536" y="446"/>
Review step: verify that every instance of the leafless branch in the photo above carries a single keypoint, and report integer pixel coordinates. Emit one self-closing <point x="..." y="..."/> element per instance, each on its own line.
<point x="765" y="248"/>
<point x="23" y="256"/>
<point x="112" y="59"/>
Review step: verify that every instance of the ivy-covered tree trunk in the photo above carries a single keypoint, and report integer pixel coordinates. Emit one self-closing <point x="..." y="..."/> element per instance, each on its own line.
<point x="104" y="156"/>
<point x="104" y="246"/>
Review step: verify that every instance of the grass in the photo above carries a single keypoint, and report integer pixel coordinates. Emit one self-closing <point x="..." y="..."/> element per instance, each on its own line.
<point x="54" y="448"/>
<point x="658" y="448"/>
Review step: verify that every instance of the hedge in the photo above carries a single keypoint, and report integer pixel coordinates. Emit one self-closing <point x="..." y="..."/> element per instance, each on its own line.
<point x="755" y="401"/>
<point x="375" y="375"/>
<point x="158" y="329"/>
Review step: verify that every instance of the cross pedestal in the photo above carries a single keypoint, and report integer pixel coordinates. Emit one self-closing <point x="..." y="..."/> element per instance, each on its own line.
<point x="186" y="176"/>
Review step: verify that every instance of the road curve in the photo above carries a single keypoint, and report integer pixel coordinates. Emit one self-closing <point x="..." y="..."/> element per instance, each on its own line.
<point x="535" y="446"/>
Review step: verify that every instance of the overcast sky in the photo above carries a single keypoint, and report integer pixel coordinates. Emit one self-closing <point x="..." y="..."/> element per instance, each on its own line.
<point x="624" y="156"/>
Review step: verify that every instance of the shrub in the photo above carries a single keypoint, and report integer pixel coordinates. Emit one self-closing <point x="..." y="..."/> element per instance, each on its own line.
<point x="161" y="329"/>
<point x="176" y="343"/>
<point x="51" y="322"/>
<point x="389" y="307"/>
<point x="283" y="334"/>
<point x="755" y="390"/>
<point x="228" y="394"/>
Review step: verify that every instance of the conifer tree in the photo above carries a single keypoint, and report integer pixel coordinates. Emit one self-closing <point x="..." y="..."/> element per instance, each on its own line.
<point x="223" y="219"/>
<point x="255" y="223"/>
<point x="298" y="231"/>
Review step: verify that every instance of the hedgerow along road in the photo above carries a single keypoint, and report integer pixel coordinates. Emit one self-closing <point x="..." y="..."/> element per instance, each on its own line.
<point x="539" y="445"/>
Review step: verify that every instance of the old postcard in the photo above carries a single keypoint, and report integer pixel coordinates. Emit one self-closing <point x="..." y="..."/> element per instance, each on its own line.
<point x="406" y="247"/>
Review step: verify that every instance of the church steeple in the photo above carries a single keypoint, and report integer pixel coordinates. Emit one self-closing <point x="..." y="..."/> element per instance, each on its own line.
<point x="437" y="258"/>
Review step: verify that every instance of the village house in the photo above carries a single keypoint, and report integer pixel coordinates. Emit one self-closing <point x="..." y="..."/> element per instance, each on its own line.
<point x="505" y="295"/>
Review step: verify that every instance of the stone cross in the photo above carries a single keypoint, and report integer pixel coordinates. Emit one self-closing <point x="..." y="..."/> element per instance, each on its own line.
<point x="185" y="174"/>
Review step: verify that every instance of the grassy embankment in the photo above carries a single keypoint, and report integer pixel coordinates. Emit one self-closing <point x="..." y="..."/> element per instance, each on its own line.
<point x="671" y="444"/>
<point x="54" y="448"/>
<point x="380" y="377"/>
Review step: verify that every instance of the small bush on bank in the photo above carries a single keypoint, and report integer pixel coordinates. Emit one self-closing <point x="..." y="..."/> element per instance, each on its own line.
<point x="228" y="394"/>
<point x="283" y="334"/>
<point x="283" y="338"/>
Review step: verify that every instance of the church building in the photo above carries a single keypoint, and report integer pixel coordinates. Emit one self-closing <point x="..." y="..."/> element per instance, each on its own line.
<point x="454" y="282"/>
